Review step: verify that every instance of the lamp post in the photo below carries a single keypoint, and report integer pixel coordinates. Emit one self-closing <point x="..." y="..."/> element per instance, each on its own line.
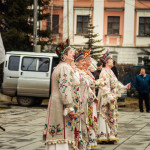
<point x="35" y="25"/>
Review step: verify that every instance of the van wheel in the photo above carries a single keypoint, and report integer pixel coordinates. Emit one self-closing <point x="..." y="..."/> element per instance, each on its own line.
<point x="38" y="101"/>
<point x="25" y="101"/>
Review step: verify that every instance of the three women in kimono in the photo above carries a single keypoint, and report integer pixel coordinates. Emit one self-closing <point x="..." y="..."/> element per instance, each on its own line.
<point x="66" y="106"/>
<point x="72" y="115"/>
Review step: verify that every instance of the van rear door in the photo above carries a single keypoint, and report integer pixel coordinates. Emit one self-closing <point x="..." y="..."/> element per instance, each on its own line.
<point x="11" y="75"/>
<point x="34" y="77"/>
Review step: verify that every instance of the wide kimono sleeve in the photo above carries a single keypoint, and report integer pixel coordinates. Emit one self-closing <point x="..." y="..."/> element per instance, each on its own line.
<point x="106" y="94"/>
<point x="91" y="95"/>
<point x="121" y="88"/>
<point x="97" y="83"/>
<point x="65" y="87"/>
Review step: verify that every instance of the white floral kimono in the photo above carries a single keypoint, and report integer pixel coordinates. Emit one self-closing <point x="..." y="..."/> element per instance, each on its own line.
<point x="86" y="95"/>
<point x="108" y="111"/>
<point x="62" y="132"/>
<point x="89" y="119"/>
<point x="93" y="116"/>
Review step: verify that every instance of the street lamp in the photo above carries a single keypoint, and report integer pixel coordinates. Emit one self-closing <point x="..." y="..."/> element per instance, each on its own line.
<point x="35" y="25"/>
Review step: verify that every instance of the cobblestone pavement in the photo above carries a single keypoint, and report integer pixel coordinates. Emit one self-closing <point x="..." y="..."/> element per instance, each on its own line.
<point x="24" y="128"/>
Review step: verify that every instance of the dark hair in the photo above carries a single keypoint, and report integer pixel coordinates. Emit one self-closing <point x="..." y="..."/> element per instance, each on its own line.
<point x="114" y="62"/>
<point x="99" y="64"/>
<point x="142" y="68"/>
<point x="80" y="58"/>
<point x="104" y="64"/>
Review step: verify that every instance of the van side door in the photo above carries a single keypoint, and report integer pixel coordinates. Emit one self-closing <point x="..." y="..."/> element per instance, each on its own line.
<point x="34" y="77"/>
<point x="11" y="75"/>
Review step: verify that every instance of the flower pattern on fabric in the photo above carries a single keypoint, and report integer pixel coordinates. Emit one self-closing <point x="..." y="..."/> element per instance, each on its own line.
<point x="102" y="134"/>
<point x="65" y="84"/>
<point x="110" y="111"/>
<point x="90" y="114"/>
<point x="111" y="90"/>
<point x="55" y="130"/>
<point x="65" y="98"/>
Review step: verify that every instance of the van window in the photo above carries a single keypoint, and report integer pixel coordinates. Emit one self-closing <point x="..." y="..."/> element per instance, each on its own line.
<point x="29" y="64"/>
<point x="43" y="64"/>
<point x="14" y="63"/>
<point x="35" y="64"/>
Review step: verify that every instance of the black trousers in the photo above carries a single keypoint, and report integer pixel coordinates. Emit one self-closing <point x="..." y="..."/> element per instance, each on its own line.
<point x="145" y="97"/>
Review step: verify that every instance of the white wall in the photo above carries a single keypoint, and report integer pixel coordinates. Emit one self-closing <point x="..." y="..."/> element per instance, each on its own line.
<point x="142" y="41"/>
<point x="98" y="20"/>
<point x="129" y="14"/>
<point x="126" y="55"/>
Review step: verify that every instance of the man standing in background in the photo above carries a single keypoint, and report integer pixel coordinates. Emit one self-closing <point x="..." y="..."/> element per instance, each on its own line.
<point x="2" y="50"/>
<point x="142" y="84"/>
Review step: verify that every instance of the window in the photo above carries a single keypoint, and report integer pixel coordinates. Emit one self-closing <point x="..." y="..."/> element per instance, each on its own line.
<point x="29" y="64"/>
<point x="144" y="26"/>
<point x="35" y="64"/>
<point x="14" y="63"/>
<point x="113" y="25"/>
<point x="82" y="24"/>
<point x="146" y="60"/>
<point x="55" y="25"/>
<point x="140" y="60"/>
<point x="43" y="65"/>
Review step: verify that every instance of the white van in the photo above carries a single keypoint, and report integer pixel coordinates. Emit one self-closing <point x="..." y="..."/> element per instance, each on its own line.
<point x="26" y="75"/>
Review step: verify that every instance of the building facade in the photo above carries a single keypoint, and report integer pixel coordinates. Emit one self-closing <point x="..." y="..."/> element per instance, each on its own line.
<point x="123" y="25"/>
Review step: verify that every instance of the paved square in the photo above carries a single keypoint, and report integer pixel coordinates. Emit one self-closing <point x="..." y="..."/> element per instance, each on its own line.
<point x="24" y="129"/>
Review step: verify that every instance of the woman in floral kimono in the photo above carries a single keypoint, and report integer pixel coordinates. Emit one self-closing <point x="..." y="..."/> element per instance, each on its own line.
<point x="92" y="106"/>
<point x="86" y="94"/>
<point x="87" y="97"/>
<point x="107" y="119"/>
<point x="63" y="122"/>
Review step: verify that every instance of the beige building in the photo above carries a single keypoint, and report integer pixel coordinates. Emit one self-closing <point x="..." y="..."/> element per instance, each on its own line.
<point x="122" y="25"/>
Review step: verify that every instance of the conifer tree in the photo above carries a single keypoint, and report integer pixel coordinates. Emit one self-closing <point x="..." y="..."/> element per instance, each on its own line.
<point x="96" y="49"/>
<point x="16" y="24"/>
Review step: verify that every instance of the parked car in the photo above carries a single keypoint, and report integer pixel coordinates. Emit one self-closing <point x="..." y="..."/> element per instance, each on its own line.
<point x="26" y="75"/>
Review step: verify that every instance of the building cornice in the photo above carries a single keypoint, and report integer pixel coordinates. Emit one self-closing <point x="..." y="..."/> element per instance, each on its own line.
<point x="142" y="9"/>
<point x="114" y="9"/>
<point x="83" y="8"/>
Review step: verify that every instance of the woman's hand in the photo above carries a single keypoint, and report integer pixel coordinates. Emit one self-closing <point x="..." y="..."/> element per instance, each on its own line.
<point x="112" y="101"/>
<point x="128" y="86"/>
<point x="71" y="114"/>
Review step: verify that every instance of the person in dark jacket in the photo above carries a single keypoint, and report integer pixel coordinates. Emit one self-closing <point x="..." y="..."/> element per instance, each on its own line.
<point x="142" y="84"/>
<point x="114" y="69"/>
<point x="97" y="73"/>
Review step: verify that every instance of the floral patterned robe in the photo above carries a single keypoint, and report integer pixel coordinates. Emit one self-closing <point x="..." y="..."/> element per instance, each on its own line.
<point x="61" y="130"/>
<point x="86" y="95"/>
<point x="108" y="111"/>
<point x="89" y="118"/>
